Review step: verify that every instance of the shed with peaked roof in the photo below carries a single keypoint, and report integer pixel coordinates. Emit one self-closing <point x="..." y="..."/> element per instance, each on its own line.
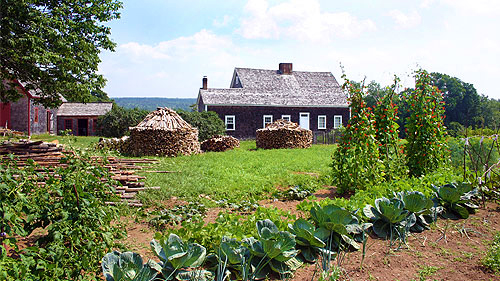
<point x="163" y="132"/>
<point x="81" y="118"/>
<point x="257" y="97"/>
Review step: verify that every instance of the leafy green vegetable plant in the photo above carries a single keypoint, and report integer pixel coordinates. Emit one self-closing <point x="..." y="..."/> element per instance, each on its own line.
<point x="128" y="266"/>
<point x="309" y="239"/>
<point x="273" y="250"/>
<point x="177" y="257"/>
<point x="423" y="208"/>
<point x="456" y="198"/>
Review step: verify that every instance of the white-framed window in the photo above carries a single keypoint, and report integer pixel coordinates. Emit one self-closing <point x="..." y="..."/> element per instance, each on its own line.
<point x="230" y="121"/>
<point x="321" y="121"/>
<point x="268" y="119"/>
<point x="337" y="121"/>
<point x="286" y="117"/>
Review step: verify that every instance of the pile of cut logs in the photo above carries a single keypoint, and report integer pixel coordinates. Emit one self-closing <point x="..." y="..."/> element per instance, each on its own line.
<point x="283" y="134"/>
<point x="118" y="144"/>
<point x="164" y="133"/>
<point x="49" y="155"/>
<point x="220" y="143"/>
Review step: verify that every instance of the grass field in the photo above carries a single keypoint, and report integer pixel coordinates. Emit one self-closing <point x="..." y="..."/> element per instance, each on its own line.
<point x="245" y="172"/>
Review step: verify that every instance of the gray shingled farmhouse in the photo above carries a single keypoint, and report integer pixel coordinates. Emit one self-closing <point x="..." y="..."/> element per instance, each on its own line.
<point x="257" y="97"/>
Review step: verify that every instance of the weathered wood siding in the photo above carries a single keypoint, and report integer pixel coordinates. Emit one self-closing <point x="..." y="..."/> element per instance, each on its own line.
<point x="250" y="118"/>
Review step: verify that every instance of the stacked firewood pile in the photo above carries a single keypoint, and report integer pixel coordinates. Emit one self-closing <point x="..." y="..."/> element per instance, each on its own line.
<point x="220" y="143"/>
<point x="164" y="133"/>
<point x="118" y="144"/>
<point x="49" y="155"/>
<point x="283" y="134"/>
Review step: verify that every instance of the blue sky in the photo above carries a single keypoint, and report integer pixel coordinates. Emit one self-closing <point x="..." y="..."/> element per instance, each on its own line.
<point x="165" y="47"/>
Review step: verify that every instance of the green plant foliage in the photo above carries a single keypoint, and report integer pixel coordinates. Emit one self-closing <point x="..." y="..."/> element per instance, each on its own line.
<point x="492" y="259"/>
<point x="425" y="147"/>
<point x="128" y="266"/>
<point x="309" y="239"/>
<point x="273" y="250"/>
<point x="116" y="122"/>
<point x="54" y="47"/>
<point x="390" y="219"/>
<point x="231" y="261"/>
<point x="70" y="208"/>
<point x="178" y="256"/>
<point x="242" y="206"/>
<point x="297" y="192"/>
<point x="177" y="215"/>
<point x="356" y="162"/>
<point x="232" y="225"/>
<point x="386" y="132"/>
<point x="208" y="123"/>
<point x="456" y="198"/>
<point x="423" y="208"/>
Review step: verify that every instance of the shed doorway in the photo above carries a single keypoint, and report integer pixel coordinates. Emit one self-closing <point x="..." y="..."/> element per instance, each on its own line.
<point x="83" y="125"/>
<point x="304" y="120"/>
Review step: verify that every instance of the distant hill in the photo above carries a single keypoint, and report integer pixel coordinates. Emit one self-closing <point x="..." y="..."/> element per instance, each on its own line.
<point x="152" y="103"/>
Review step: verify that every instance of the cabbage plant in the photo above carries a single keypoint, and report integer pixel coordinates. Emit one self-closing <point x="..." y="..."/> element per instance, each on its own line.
<point x="273" y="250"/>
<point x="390" y="218"/>
<point x="309" y="239"/>
<point x="179" y="259"/>
<point x="128" y="266"/>
<point x="423" y="208"/>
<point x="231" y="261"/>
<point x="456" y="198"/>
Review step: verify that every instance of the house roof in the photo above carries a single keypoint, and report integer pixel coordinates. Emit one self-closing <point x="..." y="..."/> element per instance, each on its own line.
<point x="84" y="109"/>
<point x="260" y="87"/>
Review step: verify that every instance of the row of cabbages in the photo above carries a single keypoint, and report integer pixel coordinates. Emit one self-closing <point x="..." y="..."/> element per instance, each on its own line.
<point x="330" y="231"/>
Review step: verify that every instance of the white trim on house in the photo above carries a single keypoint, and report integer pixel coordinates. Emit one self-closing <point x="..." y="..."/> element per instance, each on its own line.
<point x="286" y="117"/>
<point x="337" y="121"/>
<point x="303" y="122"/>
<point x="230" y="120"/>
<point x="278" y="105"/>
<point x="264" y="122"/>
<point x="321" y="122"/>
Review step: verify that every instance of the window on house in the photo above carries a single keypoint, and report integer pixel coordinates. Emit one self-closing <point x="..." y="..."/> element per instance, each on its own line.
<point x="268" y="119"/>
<point x="286" y="117"/>
<point x="68" y="124"/>
<point x="337" y="121"/>
<point x="230" y="122"/>
<point x="321" y="121"/>
<point x="36" y="115"/>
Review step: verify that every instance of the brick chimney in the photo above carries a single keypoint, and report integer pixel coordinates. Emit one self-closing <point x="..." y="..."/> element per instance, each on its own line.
<point x="205" y="83"/>
<point x="285" y="68"/>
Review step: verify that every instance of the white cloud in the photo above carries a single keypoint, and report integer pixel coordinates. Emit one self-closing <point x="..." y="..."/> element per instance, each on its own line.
<point x="297" y="19"/>
<point x="226" y="20"/>
<point x="403" y="20"/>
<point x="484" y="7"/>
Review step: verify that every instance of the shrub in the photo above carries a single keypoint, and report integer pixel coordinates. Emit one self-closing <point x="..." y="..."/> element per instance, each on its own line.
<point x="116" y="122"/>
<point x="208" y="123"/>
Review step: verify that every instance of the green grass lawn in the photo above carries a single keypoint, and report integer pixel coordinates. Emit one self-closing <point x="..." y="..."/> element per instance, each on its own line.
<point x="76" y="142"/>
<point x="243" y="173"/>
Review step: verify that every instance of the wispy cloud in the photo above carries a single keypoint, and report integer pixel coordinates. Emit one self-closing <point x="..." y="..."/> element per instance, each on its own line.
<point x="403" y="20"/>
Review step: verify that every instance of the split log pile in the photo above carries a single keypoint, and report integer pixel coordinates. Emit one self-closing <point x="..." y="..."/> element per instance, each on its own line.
<point x="118" y="144"/>
<point x="49" y="155"/>
<point x="164" y="133"/>
<point x="283" y="134"/>
<point x="220" y="143"/>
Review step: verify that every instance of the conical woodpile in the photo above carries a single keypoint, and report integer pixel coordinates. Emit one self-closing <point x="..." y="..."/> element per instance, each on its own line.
<point x="283" y="134"/>
<point x="164" y="133"/>
<point x="220" y="143"/>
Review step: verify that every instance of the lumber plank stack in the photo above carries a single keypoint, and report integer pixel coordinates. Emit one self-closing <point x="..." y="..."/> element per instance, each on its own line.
<point x="220" y="143"/>
<point x="162" y="133"/>
<point x="49" y="156"/>
<point x="283" y="134"/>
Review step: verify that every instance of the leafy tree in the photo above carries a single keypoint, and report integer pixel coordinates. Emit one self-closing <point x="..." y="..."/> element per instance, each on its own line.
<point x="461" y="99"/>
<point x="208" y="123"/>
<point x="54" y="46"/>
<point x="116" y="122"/>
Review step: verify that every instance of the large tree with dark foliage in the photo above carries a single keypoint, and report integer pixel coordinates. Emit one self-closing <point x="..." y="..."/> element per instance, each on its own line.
<point x="116" y="122"/>
<point x="53" y="46"/>
<point x="463" y="103"/>
<point x="208" y="123"/>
